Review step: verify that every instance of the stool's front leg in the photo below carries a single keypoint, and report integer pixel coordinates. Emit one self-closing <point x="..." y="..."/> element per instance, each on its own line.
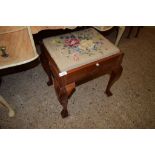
<point x="63" y="99"/>
<point x="63" y="93"/>
<point x="114" y="76"/>
<point x="64" y="103"/>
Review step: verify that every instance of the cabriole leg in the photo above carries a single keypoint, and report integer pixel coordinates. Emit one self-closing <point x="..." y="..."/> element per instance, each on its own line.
<point x="114" y="76"/>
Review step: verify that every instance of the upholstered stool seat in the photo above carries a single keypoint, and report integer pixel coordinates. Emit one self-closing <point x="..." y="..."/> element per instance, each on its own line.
<point x="75" y="49"/>
<point x="77" y="56"/>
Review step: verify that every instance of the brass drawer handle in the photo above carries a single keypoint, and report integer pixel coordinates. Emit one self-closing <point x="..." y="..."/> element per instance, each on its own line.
<point x="4" y="52"/>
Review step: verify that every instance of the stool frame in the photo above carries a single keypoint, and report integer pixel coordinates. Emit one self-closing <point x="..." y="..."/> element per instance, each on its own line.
<point x="66" y="85"/>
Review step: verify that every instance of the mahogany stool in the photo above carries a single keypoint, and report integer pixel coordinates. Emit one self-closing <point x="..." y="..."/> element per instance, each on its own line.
<point x="82" y="55"/>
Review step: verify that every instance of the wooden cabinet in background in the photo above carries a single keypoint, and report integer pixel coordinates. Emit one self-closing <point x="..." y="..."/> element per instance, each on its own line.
<point x="19" y="46"/>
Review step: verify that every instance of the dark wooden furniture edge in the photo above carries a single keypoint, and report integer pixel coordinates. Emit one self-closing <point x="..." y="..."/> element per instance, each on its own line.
<point x="65" y="85"/>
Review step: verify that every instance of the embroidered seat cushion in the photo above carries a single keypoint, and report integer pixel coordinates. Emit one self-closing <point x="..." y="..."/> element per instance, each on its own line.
<point x="78" y="48"/>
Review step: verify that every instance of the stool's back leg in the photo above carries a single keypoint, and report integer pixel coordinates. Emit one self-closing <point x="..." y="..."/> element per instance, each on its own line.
<point x="44" y="62"/>
<point x="114" y="76"/>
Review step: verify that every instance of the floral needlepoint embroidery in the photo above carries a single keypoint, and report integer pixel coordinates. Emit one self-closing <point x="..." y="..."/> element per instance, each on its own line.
<point x="75" y="56"/>
<point x="72" y="42"/>
<point x="86" y="44"/>
<point x="56" y="41"/>
<point x="78" y="45"/>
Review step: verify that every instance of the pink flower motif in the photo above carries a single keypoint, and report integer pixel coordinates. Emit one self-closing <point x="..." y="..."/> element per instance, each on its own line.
<point x="72" y="42"/>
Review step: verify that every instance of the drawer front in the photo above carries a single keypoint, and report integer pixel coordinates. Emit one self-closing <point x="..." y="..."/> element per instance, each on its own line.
<point x="93" y="70"/>
<point x="102" y="67"/>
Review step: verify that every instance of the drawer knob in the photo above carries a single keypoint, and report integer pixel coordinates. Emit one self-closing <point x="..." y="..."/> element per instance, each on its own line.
<point x="4" y="53"/>
<point x="97" y="64"/>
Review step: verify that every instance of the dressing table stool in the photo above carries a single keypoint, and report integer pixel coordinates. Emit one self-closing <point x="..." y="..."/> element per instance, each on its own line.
<point x="71" y="58"/>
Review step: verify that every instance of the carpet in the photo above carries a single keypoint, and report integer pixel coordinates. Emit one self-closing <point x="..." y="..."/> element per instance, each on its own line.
<point x="131" y="106"/>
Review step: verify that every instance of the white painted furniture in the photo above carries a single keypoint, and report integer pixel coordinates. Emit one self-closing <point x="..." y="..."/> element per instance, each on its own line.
<point x="36" y="29"/>
<point x="19" y="48"/>
<point x="11" y="112"/>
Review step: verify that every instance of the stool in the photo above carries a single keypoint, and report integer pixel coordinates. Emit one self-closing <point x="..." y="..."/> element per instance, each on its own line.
<point x="71" y="58"/>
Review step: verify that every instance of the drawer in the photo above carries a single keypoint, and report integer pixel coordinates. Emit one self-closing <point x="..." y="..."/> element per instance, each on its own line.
<point x="93" y="69"/>
<point x="102" y="66"/>
<point x="19" y="46"/>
